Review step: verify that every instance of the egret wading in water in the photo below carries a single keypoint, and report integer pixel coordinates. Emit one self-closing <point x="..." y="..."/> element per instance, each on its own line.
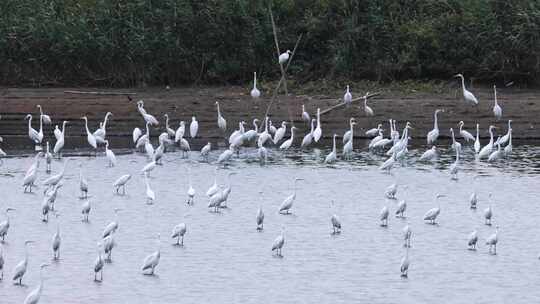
<point x="472" y="240"/>
<point x="305" y="114"/>
<point x="486" y="150"/>
<point x="34" y="296"/>
<point x="56" y="239"/>
<point x="191" y="190"/>
<point x="404" y="268"/>
<point x="477" y="140"/>
<point x="221" y="122"/>
<point x="367" y="109"/>
<point x="287" y="203"/>
<point x="260" y="214"/>
<point x="492" y="241"/>
<point x="99" y="264"/>
<point x="383" y="216"/>
<point x="20" y="268"/>
<point x="434" y="134"/>
<point x="178" y="233"/>
<point x="121" y="182"/>
<point x="432" y="214"/>
<point x="151" y="261"/>
<point x="278" y="243"/>
<point x="488" y="213"/>
<point x="4" y="226"/>
<point x="318" y="130"/>
<point x="467" y="95"/>
<point x="332" y="157"/>
<point x="464" y="133"/>
<point x="113" y="226"/>
<point x="89" y="136"/>
<point x="407" y="234"/>
<point x="85" y="210"/>
<point x="334" y="220"/>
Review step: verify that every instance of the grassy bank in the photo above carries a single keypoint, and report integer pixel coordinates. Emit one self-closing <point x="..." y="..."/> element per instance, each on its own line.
<point x="131" y="43"/>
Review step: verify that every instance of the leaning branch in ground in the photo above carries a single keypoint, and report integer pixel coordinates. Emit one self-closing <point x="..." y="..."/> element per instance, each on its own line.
<point x="342" y="103"/>
<point x="99" y="93"/>
<point x="276" y="90"/>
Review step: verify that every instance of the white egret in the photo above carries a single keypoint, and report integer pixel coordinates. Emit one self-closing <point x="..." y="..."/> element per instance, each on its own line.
<point x="464" y="133"/>
<point x="148" y="118"/>
<point x="455" y="144"/>
<point x="222" y="123"/>
<point x="136" y="135"/>
<point x="20" y="268"/>
<point x="367" y="109"/>
<point x="374" y="131"/>
<point x="376" y="139"/>
<point x="4" y="226"/>
<point x="383" y="216"/>
<point x="308" y="138"/>
<point x="205" y="151"/>
<point x="56" y="239"/>
<point x="318" y="130"/>
<point x="305" y="114"/>
<point x="121" y="183"/>
<point x="347" y="98"/>
<point x="404" y="268"/>
<point x="332" y="157"/>
<point x="185" y="147"/>
<point x="287" y="203"/>
<point x="61" y="140"/>
<point x="85" y="210"/>
<point x="89" y="136"/>
<point x="390" y="191"/>
<point x="179" y="134"/>
<point x="503" y="140"/>
<point x="83" y="183"/>
<point x="110" y="155"/>
<point x="429" y="155"/>
<point x="284" y="57"/>
<point x="214" y="188"/>
<point x="432" y="214"/>
<point x="101" y="133"/>
<point x="148" y="167"/>
<point x="57" y="133"/>
<point x="288" y="143"/>
<point x="389" y="163"/>
<point x="55" y="179"/>
<point x="336" y="224"/>
<point x="48" y="158"/>
<point x="347" y="135"/>
<point x="108" y="245"/>
<point x="349" y="145"/>
<point x="150" y="195"/>
<point x="255" y="93"/>
<point x="496" y="155"/>
<point x="45" y="208"/>
<point x="113" y="226"/>
<point x="271" y="128"/>
<point x="178" y="233"/>
<point x="215" y="200"/>
<point x="488" y="213"/>
<point x="151" y="261"/>
<point x="278" y="136"/>
<point x="193" y="127"/>
<point x="252" y="134"/>
<point x="34" y="296"/>
<point x="434" y="134"/>
<point x="508" y="148"/>
<point x="472" y="240"/>
<point x="31" y="174"/>
<point x="278" y="243"/>
<point x="170" y="131"/>
<point x="467" y="95"/>
<point x="497" y="110"/>
<point x="260" y="214"/>
<point x="492" y="241"/>
<point x="477" y="141"/>
<point x="407" y="234"/>
<point x="226" y="192"/>
<point x="225" y="156"/>
<point x="191" y="190"/>
<point x="46" y="118"/>
<point x="237" y="133"/>
<point x="454" y="167"/>
<point x="34" y="135"/>
<point x="98" y="264"/>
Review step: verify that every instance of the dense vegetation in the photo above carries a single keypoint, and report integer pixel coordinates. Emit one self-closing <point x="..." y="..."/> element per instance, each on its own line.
<point x="131" y="42"/>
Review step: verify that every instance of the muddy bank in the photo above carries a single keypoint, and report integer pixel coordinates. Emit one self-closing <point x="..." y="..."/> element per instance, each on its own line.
<point x="182" y="103"/>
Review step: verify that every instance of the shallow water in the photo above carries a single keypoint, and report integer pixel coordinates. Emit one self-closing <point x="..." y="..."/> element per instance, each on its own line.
<point x="225" y="260"/>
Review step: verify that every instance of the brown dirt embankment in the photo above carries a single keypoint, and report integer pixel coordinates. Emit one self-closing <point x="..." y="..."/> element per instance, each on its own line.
<point x="522" y="106"/>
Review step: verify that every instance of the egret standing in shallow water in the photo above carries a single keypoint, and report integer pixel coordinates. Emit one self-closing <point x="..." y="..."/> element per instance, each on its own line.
<point x="20" y="269"/>
<point x="56" y="240"/>
<point x="34" y="296"/>
<point x="121" y="183"/>
<point x="4" y="226"/>
<point x="332" y="157"/>
<point x="492" y="241"/>
<point x="178" y="233"/>
<point x="336" y="223"/>
<point x="287" y="203"/>
<point x="260" y="215"/>
<point x="432" y="214"/>
<point x="473" y="239"/>
<point x="486" y="150"/>
<point x="429" y="155"/>
<point x="404" y="268"/>
<point x="89" y="136"/>
<point x="434" y="134"/>
<point x="222" y="123"/>
<point x="98" y="264"/>
<point x="407" y="233"/>
<point x="488" y="213"/>
<point x="113" y="226"/>
<point x="305" y="114"/>
<point x="464" y="133"/>
<point x="318" y="130"/>
<point x="191" y="190"/>
<point x="279" y="242"/>
<point x="383" y="216"/>
<point x="477" y="141"/>
<point x="151" y="261"/>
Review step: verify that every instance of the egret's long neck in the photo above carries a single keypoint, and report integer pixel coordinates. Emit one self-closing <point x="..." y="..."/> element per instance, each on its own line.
<point x="255" y="80"/>
<point x="435" y="124"/>
<point x="63" y="127"/>
<point x="477" y="131"/>
<point x="463" y="82"/>
<point x="312" y="127"/>
<point x="453" y="137"/>
<point x="352" y="130"/>
<point x="30" y="122"/>
<point x="148" y="131"/>
<point x="510" y="137"/>
<point x="40" y="123"/>
<point x="86" y="125"/>
<point x="491" y="136"/>
<point x="334" y="144"/>
<point x="256" y="126"/>
<point x="318" y="117"/>
<point x="167" y="121"/>
<point x="218" y="112"/>
<point x="495" y="93"/>
<point x="105" y="121"/>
